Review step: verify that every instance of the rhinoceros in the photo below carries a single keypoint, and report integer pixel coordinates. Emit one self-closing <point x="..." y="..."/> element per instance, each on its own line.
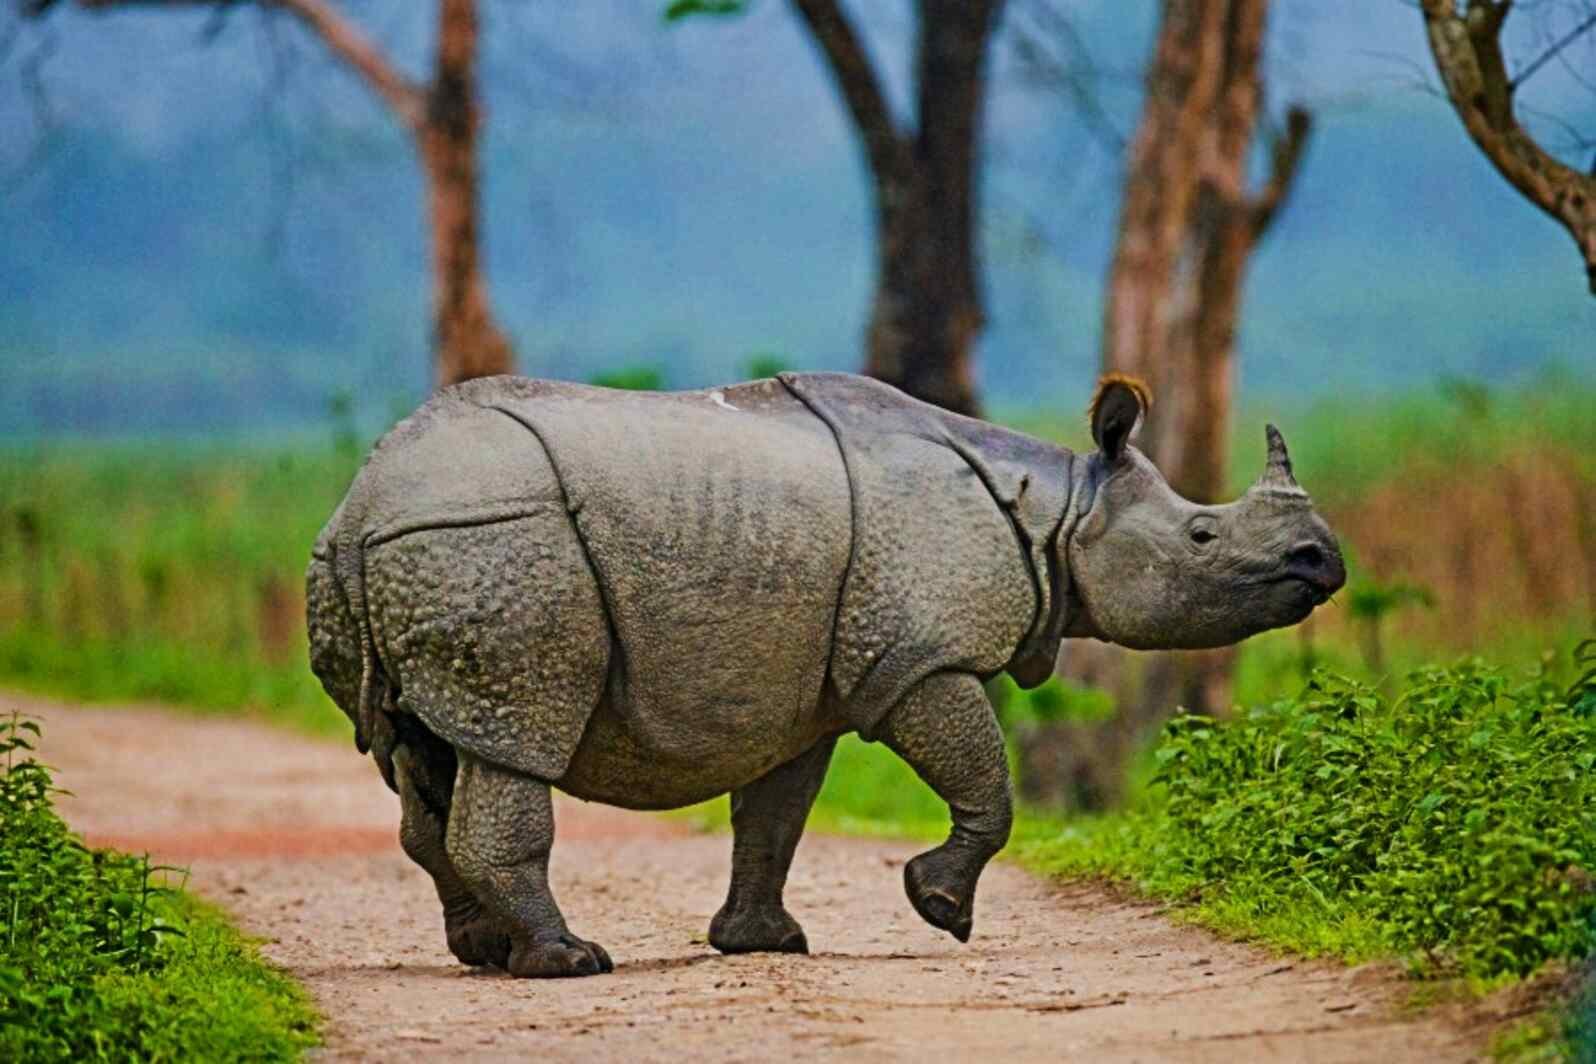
<point x="651" y="599"/>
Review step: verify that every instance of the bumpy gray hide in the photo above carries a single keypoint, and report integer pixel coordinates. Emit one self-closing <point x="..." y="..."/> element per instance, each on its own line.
<point x="651" y="598"/>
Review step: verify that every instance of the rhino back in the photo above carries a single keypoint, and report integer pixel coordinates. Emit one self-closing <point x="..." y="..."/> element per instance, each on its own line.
<point x="718" y="525"/>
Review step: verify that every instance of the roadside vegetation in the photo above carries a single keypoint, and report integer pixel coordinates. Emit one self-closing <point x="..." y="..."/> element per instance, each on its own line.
<point x="101" y="959"/>
<point x="1367" y="803"/>
<point x="1452" y="824"/>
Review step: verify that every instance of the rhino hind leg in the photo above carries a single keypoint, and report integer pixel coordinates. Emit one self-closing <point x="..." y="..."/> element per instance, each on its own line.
<point x="424" y="769"/>
<point x="767" y="819"/>
<point x="946" y="730"/>
<point x="500" y="832"/>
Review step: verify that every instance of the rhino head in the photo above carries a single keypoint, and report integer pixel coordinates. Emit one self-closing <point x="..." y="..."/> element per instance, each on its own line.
<point x="1153" y="571"/>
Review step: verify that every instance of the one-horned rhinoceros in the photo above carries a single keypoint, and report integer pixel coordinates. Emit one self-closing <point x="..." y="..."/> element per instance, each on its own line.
<point x="651" y="599"/>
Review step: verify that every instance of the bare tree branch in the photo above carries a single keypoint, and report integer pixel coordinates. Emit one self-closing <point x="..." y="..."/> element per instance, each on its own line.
<point x="341" y="36"/>
<point x="1284" y="159"/>
<point x="30" y="75"/>
<point x="442" y="116"/>
<point x="1076" y="74"/>
<point x="887" y="148"/>
<point x="1468" y="52"/>
<point x="1545" y="57"/>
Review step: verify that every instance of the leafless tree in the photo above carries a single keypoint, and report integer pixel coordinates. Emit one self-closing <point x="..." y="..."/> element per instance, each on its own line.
<point x="1466" y="41"/>
<point x="442" y="116"/>
<point x="928" y="306"/>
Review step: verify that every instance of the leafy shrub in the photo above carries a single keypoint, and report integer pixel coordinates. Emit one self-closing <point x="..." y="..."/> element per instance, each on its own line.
<point x="98" y="961"/>
<point x="1459" y="820"/>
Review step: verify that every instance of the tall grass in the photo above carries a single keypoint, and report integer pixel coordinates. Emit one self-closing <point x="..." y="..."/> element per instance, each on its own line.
<point x="143" y="571"/>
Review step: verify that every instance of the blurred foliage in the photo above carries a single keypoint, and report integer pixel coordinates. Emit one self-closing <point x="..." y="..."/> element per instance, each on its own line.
<point x="631" y="379"/>
<point x="100" y="960"/>
<point x="1056" y="700"/>
<point x="677" y="10"/>
<point x="1370" y="602"/>
<point x="765" y="364"/>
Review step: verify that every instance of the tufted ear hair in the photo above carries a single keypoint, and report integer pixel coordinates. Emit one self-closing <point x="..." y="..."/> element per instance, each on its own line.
<point x="1117" y="408"/>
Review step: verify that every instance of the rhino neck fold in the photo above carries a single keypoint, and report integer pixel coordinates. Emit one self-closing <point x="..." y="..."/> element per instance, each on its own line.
<point x="1030" y="552"/>
<point x="1034" y="658"/>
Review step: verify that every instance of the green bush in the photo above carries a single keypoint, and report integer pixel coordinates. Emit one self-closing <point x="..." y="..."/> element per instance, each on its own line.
<point x="99" y="961"/>
<point x="1455" y="823"/>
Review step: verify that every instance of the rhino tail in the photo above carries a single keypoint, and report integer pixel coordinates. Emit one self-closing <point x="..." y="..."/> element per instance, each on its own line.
<point x="342" y="650"/>
<point x="349" y="565"/>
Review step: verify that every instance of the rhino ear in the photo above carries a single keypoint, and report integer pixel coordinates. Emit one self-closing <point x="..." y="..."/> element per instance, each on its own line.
<point x="1117" y="408"/>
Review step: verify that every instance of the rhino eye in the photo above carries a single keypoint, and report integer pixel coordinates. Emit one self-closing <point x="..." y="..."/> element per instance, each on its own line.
<point x="1201" y="536"/>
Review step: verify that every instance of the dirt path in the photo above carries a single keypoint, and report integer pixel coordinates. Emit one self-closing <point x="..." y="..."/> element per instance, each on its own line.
<point x="297" y="839"/>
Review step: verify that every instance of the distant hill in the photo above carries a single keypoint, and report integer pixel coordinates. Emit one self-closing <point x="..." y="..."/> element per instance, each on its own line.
<point x="182" y="262"/>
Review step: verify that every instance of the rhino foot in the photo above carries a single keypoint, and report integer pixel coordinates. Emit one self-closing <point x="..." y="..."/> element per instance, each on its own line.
<point x="478" y="941"/>
<point x="937" y="889"/>
<point x="760" y="930"/>
<point x="556" y="955"/>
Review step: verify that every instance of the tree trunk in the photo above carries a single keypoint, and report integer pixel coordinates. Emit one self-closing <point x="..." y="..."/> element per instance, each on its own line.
<point x="927" y="311"/>
<point x="1188" y="227"/>
<point x="466" y="340"/>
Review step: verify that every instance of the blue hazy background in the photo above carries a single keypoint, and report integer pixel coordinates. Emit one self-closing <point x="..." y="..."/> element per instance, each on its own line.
<point x="210" y="226"/>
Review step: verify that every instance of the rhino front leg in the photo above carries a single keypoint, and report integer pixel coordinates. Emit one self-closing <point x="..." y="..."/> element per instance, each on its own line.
<point x="767" y="819"/>
<point x="425" y="782"/>
<point x="946" y="730"/>
<point x="501" y="828"/>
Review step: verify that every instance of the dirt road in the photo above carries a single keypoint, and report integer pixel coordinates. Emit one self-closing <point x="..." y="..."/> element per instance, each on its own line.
<point x="297" y="839"/>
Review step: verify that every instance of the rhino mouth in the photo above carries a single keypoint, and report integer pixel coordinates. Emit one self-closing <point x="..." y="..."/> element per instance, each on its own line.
<point x="1317" y="589"/>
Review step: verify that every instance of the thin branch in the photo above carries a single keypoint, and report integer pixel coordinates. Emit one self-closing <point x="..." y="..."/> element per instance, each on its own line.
<point x="341" y="36"/>
<point x="30" y="73"/>
<point x="1285" y="160"/>
<point x="1077" y="76"/>
<point x="1545" y="57"/>
<point x="1468" y="52"/>
<point x="861" y="88"/>
<point x="282" y="155"/>
<point x="1575" y="142"/>
<point x="346" y="41"/>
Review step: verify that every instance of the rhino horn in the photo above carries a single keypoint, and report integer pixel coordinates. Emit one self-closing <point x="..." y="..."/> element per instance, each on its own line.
<point x="1277" y="478"/>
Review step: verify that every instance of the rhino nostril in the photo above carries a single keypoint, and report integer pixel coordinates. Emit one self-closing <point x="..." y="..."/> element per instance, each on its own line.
<point x="1307" y="556"/>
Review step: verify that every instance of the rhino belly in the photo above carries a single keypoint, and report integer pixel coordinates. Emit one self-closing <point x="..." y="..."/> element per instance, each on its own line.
<point x="620" y="764"/>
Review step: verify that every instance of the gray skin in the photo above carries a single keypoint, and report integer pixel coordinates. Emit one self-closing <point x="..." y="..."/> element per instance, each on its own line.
<point x="652" y="599"/>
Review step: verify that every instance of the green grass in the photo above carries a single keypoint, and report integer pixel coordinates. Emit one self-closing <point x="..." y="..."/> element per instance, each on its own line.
<point x="100" y="959"/>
